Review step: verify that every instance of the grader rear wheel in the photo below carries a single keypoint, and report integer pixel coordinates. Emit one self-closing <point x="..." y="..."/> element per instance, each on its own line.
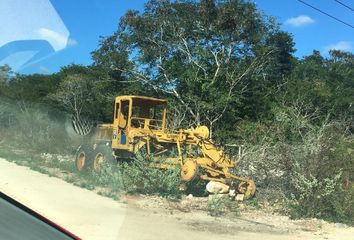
<point x="98" y="160"/>
<point x="248" y="188"/>
<point x="102" y="154"/>
<point x="80" y="160"/>
<point x="83" y="158"/>
<point x="189" y="170"/>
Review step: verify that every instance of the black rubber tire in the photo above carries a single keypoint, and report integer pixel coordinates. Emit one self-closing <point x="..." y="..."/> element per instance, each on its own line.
<point x="83" y="158"/>
<point x="102" y="153"/>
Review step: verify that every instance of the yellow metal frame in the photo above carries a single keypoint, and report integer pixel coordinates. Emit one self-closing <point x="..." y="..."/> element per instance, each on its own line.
<point x="215" y="163"/>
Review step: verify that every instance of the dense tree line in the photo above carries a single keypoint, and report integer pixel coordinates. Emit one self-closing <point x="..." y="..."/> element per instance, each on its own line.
<point x="227" y="64"/>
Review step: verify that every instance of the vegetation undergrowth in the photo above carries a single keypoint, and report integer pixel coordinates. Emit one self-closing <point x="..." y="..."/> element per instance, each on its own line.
<point x="138" y="176"/>
<point x="310" y="173"/>
<point x="219" y="205"/>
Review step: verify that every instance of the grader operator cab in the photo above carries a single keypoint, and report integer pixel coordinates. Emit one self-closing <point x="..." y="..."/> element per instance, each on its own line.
<point x="139" y="124"/>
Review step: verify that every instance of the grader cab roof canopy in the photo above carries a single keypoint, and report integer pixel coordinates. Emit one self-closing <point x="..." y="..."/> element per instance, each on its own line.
<point x="142" y="100"/>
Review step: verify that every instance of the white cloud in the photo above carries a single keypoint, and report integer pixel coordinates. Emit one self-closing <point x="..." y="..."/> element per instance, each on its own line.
<point x="72" y="43"/>
<point x="58" y="40"/>
<point x="299" y="21"/>
<point x="341" y="45"/>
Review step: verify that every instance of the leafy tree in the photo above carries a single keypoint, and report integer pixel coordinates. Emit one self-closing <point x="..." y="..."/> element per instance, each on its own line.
<point x="324" y="84"/>
<point x="32" y="88"/>
<point x="73" y="94"/>
<point x="205" y="63"/>
<point x="105" y="85"/>
<point x="341" y="82"/>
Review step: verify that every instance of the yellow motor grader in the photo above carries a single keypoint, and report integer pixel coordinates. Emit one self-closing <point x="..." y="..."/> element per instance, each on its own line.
<point x="140" y="124"/>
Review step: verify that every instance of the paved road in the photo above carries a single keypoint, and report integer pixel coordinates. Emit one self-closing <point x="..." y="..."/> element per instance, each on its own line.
<point x="91" y="216"/>
<point x="84" y="213"/>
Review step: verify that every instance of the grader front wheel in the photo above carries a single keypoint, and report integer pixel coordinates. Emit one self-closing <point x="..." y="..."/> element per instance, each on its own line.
<point x="248" y="188"/>
<point x="189" y="170"/>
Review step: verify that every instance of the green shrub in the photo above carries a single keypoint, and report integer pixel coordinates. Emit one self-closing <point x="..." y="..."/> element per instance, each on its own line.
<point x="306" y="159"/>
<point x="336" y="206"/>
<point x="342" y="206"/>
<point x="109" y="176"/>
<point x="218" y="205"/>
<point x="317" y="173"/>
<point x="139" y="176"/>
<point x="215" y="205"/>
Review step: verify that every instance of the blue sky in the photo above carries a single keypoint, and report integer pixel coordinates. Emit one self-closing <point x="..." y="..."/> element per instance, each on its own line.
<point x="72" y="28"/>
